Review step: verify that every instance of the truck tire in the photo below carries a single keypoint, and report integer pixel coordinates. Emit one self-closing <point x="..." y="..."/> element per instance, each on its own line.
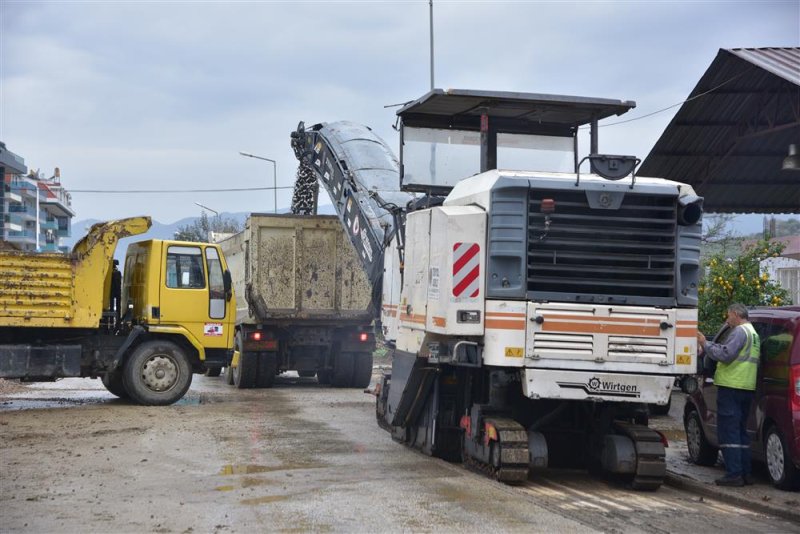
<point x="113" y="383"/>
<point x="245" y="375"/>
<point x="324" y="377"/>
<point x="343" y="365"/>
<point x="229" y="375"/>
<point x="267" y="369"/>
<point x="157" y="373"/>
<point x="362" y="370"/>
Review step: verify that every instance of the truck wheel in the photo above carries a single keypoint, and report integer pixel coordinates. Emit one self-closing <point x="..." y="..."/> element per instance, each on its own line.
<point x="113" y="383"/>
<point x="267" y="368"/>
<point x="157" y="373"/>
<point x="324" y="377"/>
<point x="782" y="472"/>
<point x="245" y="374"/>
<point x="701" y="452"/>
<point x="213" y="371"/>
<point x="362" y="370"/>
<point x="229" y="375"/>
<point x="305" y="374"/>
<point x="343" y="365"/>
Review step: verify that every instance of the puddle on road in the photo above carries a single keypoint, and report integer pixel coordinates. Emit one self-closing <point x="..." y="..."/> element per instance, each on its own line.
<point x="40" y="400"/>
<point x="251" y="469"/>
<point x="265" y="500"/>
<point x="674" y="435"/>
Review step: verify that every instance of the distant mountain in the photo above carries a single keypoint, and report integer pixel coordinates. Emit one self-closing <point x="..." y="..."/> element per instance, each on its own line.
<point x="159" y="230"/>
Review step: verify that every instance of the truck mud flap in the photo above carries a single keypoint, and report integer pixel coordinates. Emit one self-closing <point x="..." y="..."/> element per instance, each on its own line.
<point x="414" y="378"/>
<point x="134" y="334"/>
<point x="31" y="362"/>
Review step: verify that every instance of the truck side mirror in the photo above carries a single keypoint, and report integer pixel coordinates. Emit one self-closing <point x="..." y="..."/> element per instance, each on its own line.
<point x="227" y="284"/>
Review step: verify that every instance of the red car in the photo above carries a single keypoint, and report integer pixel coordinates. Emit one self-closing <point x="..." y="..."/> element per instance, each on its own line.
<point x="774" y="422"/>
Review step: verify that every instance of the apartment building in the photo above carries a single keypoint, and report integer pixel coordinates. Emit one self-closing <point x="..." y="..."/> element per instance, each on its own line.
<point x="36" y="210"/>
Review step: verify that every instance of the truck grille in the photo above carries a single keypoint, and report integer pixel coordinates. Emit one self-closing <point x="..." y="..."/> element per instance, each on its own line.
<point x="627" y="252"/>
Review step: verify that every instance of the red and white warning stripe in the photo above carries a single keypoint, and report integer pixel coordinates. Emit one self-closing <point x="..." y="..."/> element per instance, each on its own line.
<point x="466" y="269"/>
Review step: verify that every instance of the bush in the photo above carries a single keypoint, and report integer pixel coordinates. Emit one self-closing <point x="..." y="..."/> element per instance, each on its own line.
<point x="737" y="280"/>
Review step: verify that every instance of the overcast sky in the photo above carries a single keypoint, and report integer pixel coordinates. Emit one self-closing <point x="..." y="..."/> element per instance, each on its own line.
<point x="163" y="95"/>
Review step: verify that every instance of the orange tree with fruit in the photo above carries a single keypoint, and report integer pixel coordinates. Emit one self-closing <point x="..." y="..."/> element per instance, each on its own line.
<point x="729" y="280"/>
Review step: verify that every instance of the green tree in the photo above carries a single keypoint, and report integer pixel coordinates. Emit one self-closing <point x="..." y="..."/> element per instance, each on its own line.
<point x="729" y="280"/>
<point x="199" y="229"/>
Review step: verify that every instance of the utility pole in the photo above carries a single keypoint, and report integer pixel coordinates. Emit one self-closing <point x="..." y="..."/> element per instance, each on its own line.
<point x="430" y="5"/>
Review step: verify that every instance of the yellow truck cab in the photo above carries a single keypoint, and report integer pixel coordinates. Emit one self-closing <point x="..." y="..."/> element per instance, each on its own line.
<point x="144" y="331"/>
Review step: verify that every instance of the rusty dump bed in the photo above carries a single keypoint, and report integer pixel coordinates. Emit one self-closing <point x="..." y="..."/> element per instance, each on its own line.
<point x="297" y="268"/>
<point x="62" y="290"/>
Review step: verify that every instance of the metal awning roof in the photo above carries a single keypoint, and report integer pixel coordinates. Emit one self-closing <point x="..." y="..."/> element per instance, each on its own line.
<point x="729" y="139"/>
<point x="509" y="111"/>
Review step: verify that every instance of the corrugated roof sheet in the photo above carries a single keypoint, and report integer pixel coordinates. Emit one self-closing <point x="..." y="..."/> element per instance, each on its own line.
<point x="783" y="62"/>
<point x="729" y="139"/>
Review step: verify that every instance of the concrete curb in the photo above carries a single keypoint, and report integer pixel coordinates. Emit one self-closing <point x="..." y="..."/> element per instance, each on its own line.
<point x="788" y="512"/>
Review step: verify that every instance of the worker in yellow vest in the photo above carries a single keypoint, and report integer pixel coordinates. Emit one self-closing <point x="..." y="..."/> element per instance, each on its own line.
<point x="735" y="378"/>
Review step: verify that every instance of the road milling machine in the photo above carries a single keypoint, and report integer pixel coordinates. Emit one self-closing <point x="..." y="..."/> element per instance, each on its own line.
<point x="533" y="315"/>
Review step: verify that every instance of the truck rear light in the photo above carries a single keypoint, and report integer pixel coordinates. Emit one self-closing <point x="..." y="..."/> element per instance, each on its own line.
<point x="794" y="385"/>
<point x="363" y="336"/>
<point x="255" y="336"/>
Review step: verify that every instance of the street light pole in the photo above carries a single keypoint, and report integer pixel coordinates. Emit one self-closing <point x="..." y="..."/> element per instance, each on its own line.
<point x="274" y="175"/>
<point x="215" y="212"/>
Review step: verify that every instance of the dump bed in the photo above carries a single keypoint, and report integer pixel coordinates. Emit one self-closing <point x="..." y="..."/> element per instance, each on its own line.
<point x="297" y="268"/>
<point x="62" y="290"/>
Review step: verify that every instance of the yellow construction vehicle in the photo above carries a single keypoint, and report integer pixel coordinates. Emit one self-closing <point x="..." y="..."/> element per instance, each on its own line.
<point x="143" y="332"/>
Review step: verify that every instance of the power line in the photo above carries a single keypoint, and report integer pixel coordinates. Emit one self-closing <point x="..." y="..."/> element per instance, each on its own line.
<point x="125" y="191"/>
<point x="695" y="97"/>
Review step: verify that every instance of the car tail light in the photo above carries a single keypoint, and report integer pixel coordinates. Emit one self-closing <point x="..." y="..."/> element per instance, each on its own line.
<point x="794" y="386"/>
<point x="363" y="336"/>
<point x="255" y="336"/>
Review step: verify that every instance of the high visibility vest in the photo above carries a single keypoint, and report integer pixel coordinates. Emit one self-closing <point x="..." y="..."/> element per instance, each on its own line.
<point x="741" y="373"/>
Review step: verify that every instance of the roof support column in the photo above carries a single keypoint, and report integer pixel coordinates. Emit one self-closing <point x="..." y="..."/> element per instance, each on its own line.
<point x="488" y="144"/>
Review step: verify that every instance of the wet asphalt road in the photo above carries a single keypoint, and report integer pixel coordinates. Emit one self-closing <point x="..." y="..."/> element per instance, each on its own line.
<point x="298" y="457"/>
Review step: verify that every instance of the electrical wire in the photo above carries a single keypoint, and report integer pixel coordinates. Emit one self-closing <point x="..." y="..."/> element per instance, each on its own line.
<point x="126" y="191"/>
<point x="695" y="97"/>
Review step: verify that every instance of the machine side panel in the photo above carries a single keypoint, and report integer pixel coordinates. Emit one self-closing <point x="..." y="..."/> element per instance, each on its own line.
<point x="413" y="306"/>
<point x="457" y="271"/>
<point x="391" y="292"/>
<point x="504" y="342"/>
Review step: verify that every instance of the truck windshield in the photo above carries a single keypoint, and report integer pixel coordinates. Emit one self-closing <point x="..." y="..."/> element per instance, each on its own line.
<point x="441" y="158"/>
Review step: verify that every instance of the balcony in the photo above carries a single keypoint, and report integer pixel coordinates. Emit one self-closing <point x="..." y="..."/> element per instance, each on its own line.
<point x="48" y="225"/>
<point x="56" y="201"/>
<point x="49" y="247"/>
<point x="21" y="235"/>
<point x="12" y="197"/>
<point x="22" y="212"/>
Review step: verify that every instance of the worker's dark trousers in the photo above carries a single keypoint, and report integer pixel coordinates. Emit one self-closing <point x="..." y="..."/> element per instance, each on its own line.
<point x="733" y="407"/>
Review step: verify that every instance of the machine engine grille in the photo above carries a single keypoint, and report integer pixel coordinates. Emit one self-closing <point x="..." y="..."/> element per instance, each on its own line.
<point x="626" y="252"/>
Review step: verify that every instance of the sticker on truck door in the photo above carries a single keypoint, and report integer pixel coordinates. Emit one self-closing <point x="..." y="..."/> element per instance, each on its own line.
<point x="212" y="329"/>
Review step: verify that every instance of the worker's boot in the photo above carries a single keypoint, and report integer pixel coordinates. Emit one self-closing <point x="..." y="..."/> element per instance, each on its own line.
<point x="732" y="481"/>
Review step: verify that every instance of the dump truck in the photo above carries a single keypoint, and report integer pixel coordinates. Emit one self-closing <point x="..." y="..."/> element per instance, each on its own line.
<point x="305" y="303"/>
<point x="143" y="332"/>
<point x="534" y="312"/>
